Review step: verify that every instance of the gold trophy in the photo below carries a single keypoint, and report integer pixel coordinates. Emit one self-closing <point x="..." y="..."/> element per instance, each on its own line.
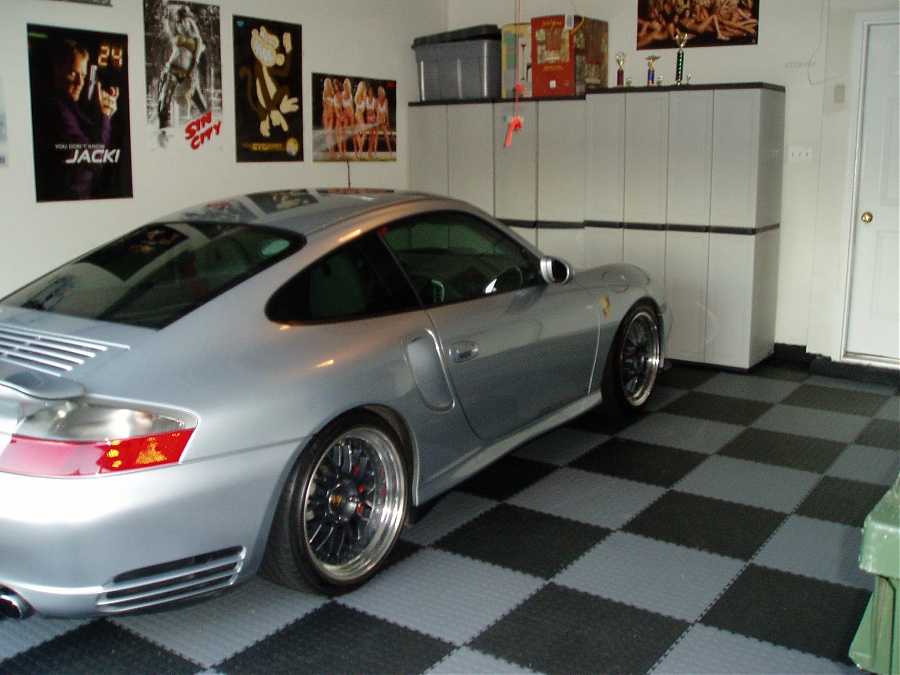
<point x="620" y="74"/>
<point x="680" y="39"/>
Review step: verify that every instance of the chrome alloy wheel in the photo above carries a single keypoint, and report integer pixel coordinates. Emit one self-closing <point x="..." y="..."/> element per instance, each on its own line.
<point x="353" y="505"/>
<point x="639" y="358"/>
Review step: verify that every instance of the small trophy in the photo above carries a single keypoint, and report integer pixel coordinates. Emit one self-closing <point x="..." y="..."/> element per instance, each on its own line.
<point x="651" y="73"/>
<point x="620" y="74"/>
<point x="680" y="39"/>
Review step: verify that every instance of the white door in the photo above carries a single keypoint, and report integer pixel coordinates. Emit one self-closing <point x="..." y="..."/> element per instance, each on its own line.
<point x="873" y="317"/>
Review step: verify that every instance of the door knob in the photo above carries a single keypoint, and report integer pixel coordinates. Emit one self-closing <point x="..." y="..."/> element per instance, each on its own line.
<point x="867" y="217"/>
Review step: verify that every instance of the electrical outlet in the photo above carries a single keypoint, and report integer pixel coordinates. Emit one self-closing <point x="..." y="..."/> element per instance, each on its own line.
<point x="797" y="153"/>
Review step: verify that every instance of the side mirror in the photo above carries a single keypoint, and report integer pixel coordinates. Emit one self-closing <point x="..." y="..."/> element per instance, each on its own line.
<point x="555" y="271"/>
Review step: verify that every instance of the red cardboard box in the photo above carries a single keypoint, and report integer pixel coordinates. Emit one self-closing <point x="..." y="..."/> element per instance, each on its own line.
<point x="569" y="55"/>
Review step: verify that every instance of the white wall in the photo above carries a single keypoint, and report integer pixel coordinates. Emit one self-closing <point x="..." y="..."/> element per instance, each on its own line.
<point x="339" y="36"/>
<point x="791" y="33"/>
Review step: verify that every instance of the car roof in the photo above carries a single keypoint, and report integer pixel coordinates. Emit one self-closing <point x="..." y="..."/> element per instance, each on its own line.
<point x="299" y="210"/>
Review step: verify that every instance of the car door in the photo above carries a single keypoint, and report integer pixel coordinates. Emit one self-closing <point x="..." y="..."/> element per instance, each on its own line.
<point x="516" y="348"/>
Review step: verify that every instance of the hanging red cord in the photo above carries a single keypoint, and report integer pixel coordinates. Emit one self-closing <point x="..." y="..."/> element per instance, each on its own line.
<point x="515" y="124"/>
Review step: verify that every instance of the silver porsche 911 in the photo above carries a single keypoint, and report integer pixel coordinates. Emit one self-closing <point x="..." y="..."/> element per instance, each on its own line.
<point x="277" y="382"/>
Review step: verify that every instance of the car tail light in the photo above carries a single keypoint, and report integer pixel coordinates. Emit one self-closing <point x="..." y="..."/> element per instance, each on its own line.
<point x="85" y="439"/>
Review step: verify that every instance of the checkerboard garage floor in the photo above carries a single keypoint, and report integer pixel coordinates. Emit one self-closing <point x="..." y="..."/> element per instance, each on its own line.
<point x="717" y="533"/>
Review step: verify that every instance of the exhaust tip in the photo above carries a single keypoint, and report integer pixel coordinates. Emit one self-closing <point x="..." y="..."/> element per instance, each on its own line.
<point x="12" y="606"/>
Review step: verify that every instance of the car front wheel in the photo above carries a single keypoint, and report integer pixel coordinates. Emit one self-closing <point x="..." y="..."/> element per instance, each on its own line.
<point x="633" y="362"/>
<point x="341" y="510"/>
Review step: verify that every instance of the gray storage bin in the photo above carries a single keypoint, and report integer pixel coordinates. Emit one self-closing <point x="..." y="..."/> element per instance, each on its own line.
<point x="461" y="64"/>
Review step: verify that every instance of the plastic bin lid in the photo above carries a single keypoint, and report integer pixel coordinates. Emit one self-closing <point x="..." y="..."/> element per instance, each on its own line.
<point x="880" y="549"/>
<point x="483" y="32"/>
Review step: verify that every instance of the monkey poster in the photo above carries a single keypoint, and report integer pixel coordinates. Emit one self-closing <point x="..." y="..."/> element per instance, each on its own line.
<point x="267" y="98"/>
<point x="184" y="75"/>
<point x="79" y="114"/>
<point x="354" y="119"/>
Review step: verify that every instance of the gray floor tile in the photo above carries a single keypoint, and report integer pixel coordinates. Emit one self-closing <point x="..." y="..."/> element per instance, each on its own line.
<point x="867" y="464"/>
<point x="452" y="511"/>
<point x="890" y="410"/>
<point x="473" y="662"/>
<point x="748" y="386"/>
<point x="443" y="595"/>
<point x="852" y="385"/>
<point x="707" y="650"/>
<point x="816" y="423"/>
<point x="19" y="636"/>
<point x="817" y="549"/>
<point x="736" y="480"/>
<point x="561" y="446"/>
<point x="210" y="632"/>
<point x="588" y="497"/>
<point x="686" y="433"/>
<point x="650" y="574"/>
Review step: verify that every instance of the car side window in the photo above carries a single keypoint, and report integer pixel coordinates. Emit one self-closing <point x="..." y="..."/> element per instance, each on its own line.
<point x="357" y="280"/>
<point x="452" y="256"/>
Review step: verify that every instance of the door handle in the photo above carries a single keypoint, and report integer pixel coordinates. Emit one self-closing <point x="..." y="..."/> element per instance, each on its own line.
<point x="866" y="217"/>
<point x="463" y="351"/>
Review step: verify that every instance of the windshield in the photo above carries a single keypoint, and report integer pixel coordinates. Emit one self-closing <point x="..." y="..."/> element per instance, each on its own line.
<point x="157" y="274"/>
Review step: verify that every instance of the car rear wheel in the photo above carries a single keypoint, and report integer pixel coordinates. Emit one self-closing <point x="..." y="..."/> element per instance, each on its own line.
<point x="633" y="361"/>
<point x="341" y="510"/>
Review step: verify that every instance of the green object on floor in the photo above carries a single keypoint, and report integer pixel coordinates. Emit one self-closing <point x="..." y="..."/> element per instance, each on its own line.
<point x="876" y="647"/>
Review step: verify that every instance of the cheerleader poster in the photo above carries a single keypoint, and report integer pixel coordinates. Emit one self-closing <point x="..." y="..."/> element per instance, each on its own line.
<point x="184" y="75"/>
<point x="267" y="76"/>
<point x="354" y="119"/>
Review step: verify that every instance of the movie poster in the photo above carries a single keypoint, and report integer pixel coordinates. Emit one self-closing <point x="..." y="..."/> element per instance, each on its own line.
<point x="707" y="24"/>
<point x="105" y="3"/>
<point x="354" y="119"/>
<point x="184" y="75"/>
<point x="267" y="97"/>
<point x="79" y="113"/>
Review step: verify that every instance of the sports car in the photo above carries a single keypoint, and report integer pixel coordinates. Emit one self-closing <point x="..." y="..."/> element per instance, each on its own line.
<point x="278" y="382"/>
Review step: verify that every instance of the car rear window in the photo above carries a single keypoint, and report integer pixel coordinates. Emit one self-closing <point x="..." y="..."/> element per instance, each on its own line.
<point x="158" y="273"/>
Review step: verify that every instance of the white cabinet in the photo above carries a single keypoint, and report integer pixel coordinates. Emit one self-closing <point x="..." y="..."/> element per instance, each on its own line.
<point x="515" y="167"/>
<point x="428" y="154"/>
<point x="683" y="181"/>
<point x="561" y="156"/>
<point x="470" y="154"/>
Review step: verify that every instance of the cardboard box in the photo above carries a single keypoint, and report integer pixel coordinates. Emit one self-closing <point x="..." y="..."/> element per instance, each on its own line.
<point x="570" y="55"/>
<point x="460" y="64"/>
<point x="516" y="59"/>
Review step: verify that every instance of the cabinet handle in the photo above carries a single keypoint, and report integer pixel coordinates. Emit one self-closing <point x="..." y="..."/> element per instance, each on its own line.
<point x="867" y="217"/>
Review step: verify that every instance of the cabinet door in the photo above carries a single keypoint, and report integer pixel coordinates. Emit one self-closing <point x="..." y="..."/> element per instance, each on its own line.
<point x="428" y="154"/>
<point x="735" y="164"/>
<point x="646" y="156"/>
<point x="690" y="157"/>
<point x="515" y="166"/>
<point x="604" y="186"/>
<point x="687" y="264"/>
<point x="470" y="141"/>
<point x="561" y="161"/>
<point x="730" y="299"/>
<point x="647" y="250"/>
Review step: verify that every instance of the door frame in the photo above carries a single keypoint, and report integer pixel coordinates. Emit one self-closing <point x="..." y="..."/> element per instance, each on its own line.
<point x="856" y="90"/>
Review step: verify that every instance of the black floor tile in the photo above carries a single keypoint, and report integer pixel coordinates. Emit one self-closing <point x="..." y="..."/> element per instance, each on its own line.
<point x="559" y="630"/>
<point x="98" y="648"/>
<point x="526" y="541"/>
<point x="642" y="462"/>
<point x="599" y="422"/>
<point x="337" y="639"/>
<point x="836" y="399"/>
<point x="841" y="500"/>
<point x="782" y="370"/>
<point x="881" y="434"/>
<point x="684" y="377"/>
<point x="505" y="477"/>
<point x="797" y="612"/>
<point x="787" y="450"/>
<point x="729" y="529"/>
<point x="717" y="408"/>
